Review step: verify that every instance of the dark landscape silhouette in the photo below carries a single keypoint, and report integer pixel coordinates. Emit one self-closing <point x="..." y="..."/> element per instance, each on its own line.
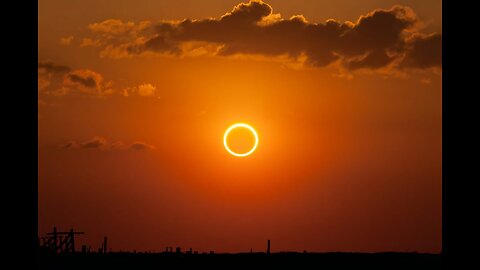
<point x="57" y="250"/>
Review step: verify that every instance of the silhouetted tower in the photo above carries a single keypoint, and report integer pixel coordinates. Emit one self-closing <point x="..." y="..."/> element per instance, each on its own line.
<point x="268" y="246"/>
<point x="60" y="241"/>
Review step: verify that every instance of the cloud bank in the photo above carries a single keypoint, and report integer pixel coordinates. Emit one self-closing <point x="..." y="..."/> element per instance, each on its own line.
<point x="380" y="39"/>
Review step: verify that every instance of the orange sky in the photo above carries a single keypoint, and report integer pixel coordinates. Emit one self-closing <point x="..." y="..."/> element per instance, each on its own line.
<point x="133" y="106"/>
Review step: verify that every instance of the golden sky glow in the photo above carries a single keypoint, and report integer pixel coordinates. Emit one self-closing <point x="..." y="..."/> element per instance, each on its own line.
<point x="135" y="98"/>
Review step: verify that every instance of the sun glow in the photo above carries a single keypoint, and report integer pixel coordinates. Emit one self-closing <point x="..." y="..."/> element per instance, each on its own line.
<point x="240" y="125"/>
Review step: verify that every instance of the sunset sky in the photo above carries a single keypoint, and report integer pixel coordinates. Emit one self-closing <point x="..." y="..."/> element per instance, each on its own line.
<point x="134" y="98"/>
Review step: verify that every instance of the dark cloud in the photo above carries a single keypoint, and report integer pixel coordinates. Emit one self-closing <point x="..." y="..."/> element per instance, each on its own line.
<point x="141" y="146"/>
<point x="423" y="51"/>
<point x="95" y="142"/>
<point x="377" y="31"/>
<point x="375" y="40"/>
<point x="70" y="144"/>
<point x="51" y="67"/>
<point x="87" y="81"/>
<point x="372" y="60"/>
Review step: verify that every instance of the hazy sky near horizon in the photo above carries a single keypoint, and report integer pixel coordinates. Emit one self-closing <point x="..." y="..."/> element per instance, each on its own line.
<point x="134" y="98"/>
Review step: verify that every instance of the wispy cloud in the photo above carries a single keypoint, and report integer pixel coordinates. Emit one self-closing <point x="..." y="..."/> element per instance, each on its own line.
<point x="65" y="41"/>
<point x="101" y="143"/>
<point x="61" y="80"/>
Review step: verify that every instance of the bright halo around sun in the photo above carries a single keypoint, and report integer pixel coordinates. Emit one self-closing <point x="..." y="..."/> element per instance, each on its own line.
<point x="245" y="126"/>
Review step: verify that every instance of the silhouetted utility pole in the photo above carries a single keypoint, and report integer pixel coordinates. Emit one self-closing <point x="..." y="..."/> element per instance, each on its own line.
<point x="54" y="246"/>
<point x="105" y="245"/>
<point x="268" y="246"/>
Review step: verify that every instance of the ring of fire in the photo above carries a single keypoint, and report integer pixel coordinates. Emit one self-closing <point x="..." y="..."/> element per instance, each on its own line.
<point x="240" y="125"/>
